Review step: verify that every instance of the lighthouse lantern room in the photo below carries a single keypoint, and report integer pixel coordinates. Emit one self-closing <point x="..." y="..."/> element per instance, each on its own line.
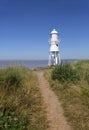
<point x="54" y="55"/>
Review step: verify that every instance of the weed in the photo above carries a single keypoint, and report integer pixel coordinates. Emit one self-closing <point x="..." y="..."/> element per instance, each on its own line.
<point x="21" y="106"/>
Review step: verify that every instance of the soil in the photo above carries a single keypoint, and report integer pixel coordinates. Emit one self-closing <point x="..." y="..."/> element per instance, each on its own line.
<point x="56" y="118"/>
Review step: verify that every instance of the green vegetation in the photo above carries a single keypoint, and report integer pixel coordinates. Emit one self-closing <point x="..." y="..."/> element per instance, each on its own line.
<point x="71" y="84"/>
<point x="65" y="73"/>
<point x="21" y="106"/>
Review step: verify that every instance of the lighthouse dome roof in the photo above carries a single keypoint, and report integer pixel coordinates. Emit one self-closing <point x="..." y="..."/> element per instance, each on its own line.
<point x="54" y="31"/>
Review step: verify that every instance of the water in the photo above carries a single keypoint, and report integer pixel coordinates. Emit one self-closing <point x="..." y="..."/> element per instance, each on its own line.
<point x="31" y="64"/>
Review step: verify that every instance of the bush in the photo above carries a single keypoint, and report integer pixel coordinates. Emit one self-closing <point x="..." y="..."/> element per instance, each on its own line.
<point x="13" y="77"/>
<point x="9" y="120"/>
<point x="65" y="73"/>
<point x="87" y="77"/>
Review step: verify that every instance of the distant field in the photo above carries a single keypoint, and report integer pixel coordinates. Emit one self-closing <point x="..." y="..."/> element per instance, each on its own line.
<point x="21" y="104"/>
<point x="71" y="85"/>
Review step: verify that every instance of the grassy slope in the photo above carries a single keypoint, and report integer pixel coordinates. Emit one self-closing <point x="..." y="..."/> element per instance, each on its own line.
<point x="21" y="106"/>
<point x="74" y="97"/>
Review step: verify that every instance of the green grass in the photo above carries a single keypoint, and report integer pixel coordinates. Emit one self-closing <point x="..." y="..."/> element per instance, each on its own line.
<point x="74" y="96"/>
<point x="21" y="104"/>
<point x="65" y="73"/>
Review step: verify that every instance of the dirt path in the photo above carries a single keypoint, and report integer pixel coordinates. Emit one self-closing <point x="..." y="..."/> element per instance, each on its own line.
<point x="55" y="115"/>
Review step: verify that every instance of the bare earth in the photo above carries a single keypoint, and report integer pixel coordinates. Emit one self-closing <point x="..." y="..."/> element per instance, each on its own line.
<point x="55" y="115"/>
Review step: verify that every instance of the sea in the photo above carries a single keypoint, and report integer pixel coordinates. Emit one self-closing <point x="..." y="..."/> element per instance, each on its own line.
<point x="30" y="64"/>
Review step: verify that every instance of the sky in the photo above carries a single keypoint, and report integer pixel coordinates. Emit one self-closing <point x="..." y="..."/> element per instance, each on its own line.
<point x="25" y="27"/>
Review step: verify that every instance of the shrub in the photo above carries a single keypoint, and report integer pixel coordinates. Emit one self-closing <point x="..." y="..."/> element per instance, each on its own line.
<point x="87" y="77"/>
<point x="9" y="120"/>
<point x="65" y="73"/>
<point x="13" y="77"/>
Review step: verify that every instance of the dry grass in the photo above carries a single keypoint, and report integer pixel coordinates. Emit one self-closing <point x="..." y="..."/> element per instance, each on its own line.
<point x="74" y="97"/>
<point x="21" y="104"/>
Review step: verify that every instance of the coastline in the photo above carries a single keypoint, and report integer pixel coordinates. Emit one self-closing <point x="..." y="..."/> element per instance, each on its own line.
<point x="30" y="64"/>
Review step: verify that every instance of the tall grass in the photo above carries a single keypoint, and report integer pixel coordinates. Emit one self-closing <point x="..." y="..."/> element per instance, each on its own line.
<point x="65" y="73"/>
<point x="73" y="96"/>
<point x="21" y="106"/>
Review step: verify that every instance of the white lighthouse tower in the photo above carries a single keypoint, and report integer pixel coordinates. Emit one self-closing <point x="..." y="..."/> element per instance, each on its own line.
<point x="54" y="55"/>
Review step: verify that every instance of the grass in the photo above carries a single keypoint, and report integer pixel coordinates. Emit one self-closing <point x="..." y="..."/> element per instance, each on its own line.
<point x="74" y="96"/>
<point x="21" y="104"/>
<point x="65" y="73"/>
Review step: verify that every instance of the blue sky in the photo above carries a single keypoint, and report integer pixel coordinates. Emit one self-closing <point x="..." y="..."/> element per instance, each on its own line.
<point x="25" y="27"/>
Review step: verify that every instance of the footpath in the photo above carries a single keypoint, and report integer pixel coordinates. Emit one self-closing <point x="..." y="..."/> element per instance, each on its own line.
<point x="55" y="116"/>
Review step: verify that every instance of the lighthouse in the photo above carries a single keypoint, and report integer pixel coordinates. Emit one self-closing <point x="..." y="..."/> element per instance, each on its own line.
<point x="54" y="53"/>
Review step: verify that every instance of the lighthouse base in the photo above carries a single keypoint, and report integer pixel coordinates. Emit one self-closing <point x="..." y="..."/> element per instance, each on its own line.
<point x="54" y="59"/>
